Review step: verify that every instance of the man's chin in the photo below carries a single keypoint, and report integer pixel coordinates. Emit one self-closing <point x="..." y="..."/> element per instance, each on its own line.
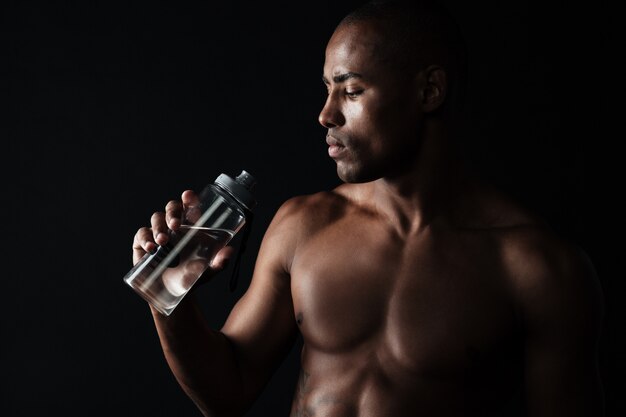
<point x="353" y="175"/>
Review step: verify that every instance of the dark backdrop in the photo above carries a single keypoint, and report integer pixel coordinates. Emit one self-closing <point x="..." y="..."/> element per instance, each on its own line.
<point x="110" y="109"/>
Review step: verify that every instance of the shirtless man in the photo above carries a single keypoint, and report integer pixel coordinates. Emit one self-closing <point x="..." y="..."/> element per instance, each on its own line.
<point x="417" y="288"/>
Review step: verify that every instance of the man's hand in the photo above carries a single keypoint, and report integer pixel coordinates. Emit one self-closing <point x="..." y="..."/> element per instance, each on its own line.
<point x="147" y="239"/>
<point x="223" y="371"/>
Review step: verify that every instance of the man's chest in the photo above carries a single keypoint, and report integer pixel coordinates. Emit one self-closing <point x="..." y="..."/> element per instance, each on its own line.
<point x="436" y="303"/>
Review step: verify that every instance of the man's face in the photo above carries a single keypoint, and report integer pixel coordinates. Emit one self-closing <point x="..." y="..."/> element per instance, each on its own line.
<point x="372" y="112"/>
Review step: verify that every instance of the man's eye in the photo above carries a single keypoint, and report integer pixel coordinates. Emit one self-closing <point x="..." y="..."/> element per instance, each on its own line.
<point x="353" y="93"/>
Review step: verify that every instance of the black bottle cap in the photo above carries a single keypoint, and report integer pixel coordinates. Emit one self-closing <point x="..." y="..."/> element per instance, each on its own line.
<point x="240" y="188"/>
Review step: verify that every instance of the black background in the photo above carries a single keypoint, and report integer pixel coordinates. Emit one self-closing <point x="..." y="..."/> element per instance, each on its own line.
<point x="109" y="110"/>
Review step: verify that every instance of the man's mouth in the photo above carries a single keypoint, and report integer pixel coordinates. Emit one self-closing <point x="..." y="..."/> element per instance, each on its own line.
<point x="335" y="147"/>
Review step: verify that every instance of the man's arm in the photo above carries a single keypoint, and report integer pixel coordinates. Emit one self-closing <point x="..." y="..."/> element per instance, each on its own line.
<point x="224" y="371"/>
<point x="562" y="309"/>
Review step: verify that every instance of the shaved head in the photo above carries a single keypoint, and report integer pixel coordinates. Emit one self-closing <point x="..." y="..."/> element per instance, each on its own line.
<point x="415" y="34"/>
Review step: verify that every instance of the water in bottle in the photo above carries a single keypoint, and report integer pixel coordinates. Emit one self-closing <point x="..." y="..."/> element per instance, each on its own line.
<point x="165" y="276"/>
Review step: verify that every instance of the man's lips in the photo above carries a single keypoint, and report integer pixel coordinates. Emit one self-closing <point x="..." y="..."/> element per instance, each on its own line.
<point x="335" y="147"/>
<point x="333" y="141"/>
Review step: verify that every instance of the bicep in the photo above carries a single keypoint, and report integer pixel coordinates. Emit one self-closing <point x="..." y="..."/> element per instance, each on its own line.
<point x="261" y="327"/>
<point x="563" y="315"/>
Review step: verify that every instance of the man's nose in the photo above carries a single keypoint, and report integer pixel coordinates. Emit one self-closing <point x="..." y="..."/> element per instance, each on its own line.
<point x="331" y="115"/>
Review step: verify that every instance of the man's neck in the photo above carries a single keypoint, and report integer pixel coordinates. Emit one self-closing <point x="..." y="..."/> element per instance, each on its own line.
<point x="438" y="183"/>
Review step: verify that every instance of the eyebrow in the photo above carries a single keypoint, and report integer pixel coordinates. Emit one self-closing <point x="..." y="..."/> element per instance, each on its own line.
<point x="342" y="77"/>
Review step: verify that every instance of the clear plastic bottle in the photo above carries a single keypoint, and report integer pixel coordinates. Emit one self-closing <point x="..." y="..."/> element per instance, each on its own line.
<point x="164" y="277"/>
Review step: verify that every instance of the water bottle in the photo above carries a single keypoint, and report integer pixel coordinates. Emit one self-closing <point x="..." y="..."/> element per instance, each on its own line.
<point x="165" y="276"/>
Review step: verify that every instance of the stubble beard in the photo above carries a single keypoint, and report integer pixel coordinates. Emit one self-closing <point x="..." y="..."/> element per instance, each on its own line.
<point x="357" y="172"/>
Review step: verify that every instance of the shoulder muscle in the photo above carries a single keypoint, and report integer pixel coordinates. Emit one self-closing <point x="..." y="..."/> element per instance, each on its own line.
<point x="555" y="282"/>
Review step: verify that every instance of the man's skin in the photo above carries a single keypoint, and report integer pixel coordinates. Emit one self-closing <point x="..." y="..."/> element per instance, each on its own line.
<point x="417" y="288"/>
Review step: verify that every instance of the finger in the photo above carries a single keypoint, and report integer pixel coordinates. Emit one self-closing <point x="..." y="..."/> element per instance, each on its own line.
<point x="159" y="228"/>
<point x="191" y="206"/>
<point x="173" y="214"/>
<point x="143" y="242"/>
<point x="190" y="198"/>
<point x="220" y="261"/>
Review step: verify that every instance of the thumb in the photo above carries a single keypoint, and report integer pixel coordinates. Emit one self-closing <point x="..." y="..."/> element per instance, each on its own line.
<point x="220" y="261"/>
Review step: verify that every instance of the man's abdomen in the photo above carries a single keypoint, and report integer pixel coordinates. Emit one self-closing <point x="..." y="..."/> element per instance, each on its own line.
<point x="369" y="382"/>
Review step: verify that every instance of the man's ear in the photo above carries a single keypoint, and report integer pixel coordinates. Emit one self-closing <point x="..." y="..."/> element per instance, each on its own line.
<point x="434" y="87"/>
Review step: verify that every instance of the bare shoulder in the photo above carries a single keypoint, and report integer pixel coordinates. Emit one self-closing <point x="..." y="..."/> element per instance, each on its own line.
<point x="532" y="251"/>
<point x="553" y="279"/>
<point x="545" y="270"/>
<point x="536" y="255"/>
<point x="305" y="213"/>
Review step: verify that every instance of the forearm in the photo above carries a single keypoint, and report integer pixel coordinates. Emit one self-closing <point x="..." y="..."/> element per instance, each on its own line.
<point x="202" y="360"/>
